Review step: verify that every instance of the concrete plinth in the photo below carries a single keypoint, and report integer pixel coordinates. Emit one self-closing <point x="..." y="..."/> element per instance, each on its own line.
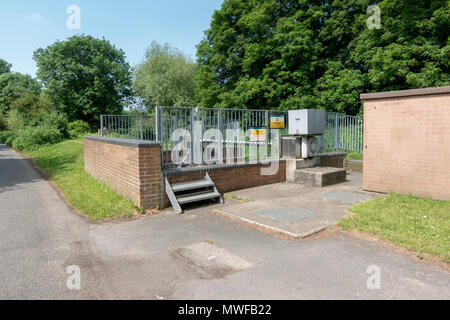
<point x="293" y="165"/>
<point x="335" y="159"/>
<point x="320" y="176"/>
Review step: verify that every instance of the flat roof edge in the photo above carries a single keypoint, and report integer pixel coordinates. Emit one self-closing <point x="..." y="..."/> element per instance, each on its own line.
<point x="405" y="93"/>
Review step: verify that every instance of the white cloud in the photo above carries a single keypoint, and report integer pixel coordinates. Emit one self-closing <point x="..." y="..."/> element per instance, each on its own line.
<point x="37" y="17"/>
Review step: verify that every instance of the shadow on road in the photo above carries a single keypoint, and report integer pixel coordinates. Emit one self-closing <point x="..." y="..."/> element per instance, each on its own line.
<point x="14" y="171"/>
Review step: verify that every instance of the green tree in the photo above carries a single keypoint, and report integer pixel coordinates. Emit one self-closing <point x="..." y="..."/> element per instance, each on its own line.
<point x="286" y="54"/>
<point x="4" y="66"/>
<point x="15" y="85"/>
<point x="165" y="77"/>
<point x="85" y="77"/>
<point x="411" y="49"/>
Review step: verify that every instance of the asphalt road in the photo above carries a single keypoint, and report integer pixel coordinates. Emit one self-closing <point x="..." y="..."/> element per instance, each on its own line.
<point x="194" y="256"/>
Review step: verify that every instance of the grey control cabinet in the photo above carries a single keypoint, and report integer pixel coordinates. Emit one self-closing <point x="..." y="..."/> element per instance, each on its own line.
<point x="307" y="122"/>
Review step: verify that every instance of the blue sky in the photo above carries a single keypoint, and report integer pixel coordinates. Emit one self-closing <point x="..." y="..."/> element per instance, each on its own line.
<point x="26" y="25"/>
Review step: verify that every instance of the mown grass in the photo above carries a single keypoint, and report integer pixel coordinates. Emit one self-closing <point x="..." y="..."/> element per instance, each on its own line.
<point x="64" y="162"/>
<point x="355" y="156"/>
<point x="421" y="225"/>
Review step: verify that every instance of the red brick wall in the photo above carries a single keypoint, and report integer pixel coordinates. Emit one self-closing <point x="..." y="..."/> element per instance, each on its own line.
<point x="132" y="169"/>
<point x="229" y="178"/>
<point x="407" y="144"/>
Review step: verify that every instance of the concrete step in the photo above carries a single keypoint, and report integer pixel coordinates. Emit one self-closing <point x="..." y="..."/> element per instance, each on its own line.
<point x="200" y="196"/>
<point x="191" y="185"/>
<point x="320" y="176"/>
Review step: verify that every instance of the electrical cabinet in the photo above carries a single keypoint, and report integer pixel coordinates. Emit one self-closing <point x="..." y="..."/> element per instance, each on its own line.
<point x="307" y="122"/>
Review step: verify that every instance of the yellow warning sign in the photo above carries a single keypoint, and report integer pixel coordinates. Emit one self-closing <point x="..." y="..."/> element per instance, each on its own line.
<point x="258" y="134"/>
<point x="277" y="122"/>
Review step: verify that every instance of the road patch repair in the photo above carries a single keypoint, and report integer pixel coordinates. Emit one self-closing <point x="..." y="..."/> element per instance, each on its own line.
<point x="215" y="261"/>
<point x="293" y="210"/>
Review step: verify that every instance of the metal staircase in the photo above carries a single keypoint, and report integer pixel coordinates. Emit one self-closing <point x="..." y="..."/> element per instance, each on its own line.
<point x="192" y="191"/>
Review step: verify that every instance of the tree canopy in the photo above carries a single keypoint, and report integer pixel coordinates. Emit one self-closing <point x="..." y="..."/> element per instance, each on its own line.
<point x="4" y="66"/>
<point x="286" y="54"/>
<point x="13" y="86"/>
<point x="165" y="77"/>
<point x="85" y="77"/>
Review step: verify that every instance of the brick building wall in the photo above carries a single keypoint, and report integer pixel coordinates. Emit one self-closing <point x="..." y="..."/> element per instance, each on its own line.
<point x="131" y="168"/>
<point x="407" y="142"/>
<point x="226" y="177"/>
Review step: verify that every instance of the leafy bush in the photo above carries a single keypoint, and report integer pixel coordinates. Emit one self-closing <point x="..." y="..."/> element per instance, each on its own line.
<point x="3" y="122"/>
<point x="54" y="120"/>
<point x="28" y="110"/>
<point x="7" y="137"/>
<point x="33" y="138"/>
<point x="36" y="111"/>
<point x="16" y="121"/>
<point x="4" y="135"/>
<point x="78" y="127"/>
<point x="36" y="123"/>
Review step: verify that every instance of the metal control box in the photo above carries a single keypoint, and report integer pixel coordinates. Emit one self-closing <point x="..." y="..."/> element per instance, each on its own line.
<point x="307" y="122"/>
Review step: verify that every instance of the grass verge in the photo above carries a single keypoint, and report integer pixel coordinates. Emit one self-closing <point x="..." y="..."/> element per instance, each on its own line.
<point x="64" y="162"/>
<point x="355" y="156"/>
<point x="420" y="225"/>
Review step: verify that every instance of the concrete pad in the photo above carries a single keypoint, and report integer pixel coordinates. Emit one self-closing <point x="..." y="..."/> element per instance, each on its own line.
<point x="244" y="213"/>
<point x="284" y="214"/>
<point x="292" y="210"/>
<point x="346" y="196"/>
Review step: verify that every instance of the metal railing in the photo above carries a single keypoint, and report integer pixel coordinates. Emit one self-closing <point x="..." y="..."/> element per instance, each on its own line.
<point x="220" y="129"/>
<point x="223" y="129"/>
<point x="128" y="127"/>
<point x="343" y="133"/>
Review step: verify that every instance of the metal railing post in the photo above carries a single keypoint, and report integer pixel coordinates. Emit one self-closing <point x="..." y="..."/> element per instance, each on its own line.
<point x="194" y="116"/>
<point x="220" y="136"/>
<point x="336" y="131"/>
<point x="101" y="125"/>
<point x="158" y="124"/>
<point x="141" y="136"/>
<point x="267" y="132"/>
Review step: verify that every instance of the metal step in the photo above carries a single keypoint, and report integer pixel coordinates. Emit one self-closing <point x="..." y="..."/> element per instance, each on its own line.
<point x="198" y="197"/>
<point x="190" y="192"/>
<point x="191" y="185"/>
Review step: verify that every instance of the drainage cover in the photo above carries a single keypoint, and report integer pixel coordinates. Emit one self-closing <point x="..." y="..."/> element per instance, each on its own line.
<point x="284" y="214"/>
<point x="346" y="196"/>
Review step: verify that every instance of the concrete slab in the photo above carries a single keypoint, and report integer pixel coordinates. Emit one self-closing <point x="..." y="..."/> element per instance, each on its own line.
<point x="346" y="196"/>
<point x="284" y="214"/>
<point x="292" y="210"/>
